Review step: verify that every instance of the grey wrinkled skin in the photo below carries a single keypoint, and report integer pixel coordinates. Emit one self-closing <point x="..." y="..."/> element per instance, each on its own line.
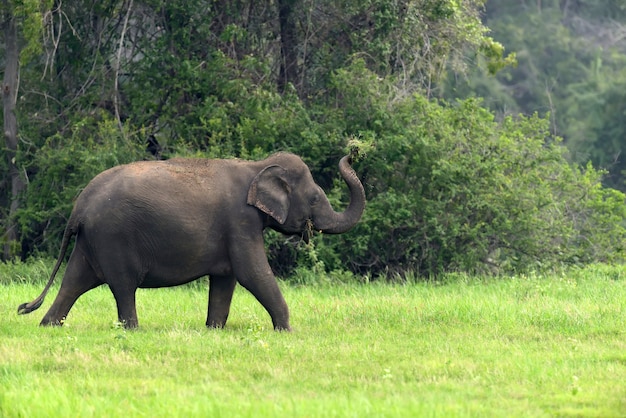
<point x="164" y="223"/>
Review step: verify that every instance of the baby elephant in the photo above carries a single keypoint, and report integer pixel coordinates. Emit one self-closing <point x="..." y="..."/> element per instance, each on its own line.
<point x="164" y="223"/>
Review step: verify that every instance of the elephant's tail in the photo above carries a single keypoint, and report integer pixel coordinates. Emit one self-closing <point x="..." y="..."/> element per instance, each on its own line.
<point x="26" y="308"/>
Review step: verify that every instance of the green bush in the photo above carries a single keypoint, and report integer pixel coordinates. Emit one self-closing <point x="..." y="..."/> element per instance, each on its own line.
<point x="450" y="189"/>
<point x="33" y="270"/>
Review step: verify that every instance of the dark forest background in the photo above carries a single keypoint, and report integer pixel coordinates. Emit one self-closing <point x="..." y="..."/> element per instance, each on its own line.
<point x="491" y="133"/>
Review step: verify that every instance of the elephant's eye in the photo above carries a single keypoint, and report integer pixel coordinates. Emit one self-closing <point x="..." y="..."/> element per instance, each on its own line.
<point x="314" y="200"/>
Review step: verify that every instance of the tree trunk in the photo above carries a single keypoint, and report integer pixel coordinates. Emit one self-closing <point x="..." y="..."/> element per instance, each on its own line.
<point x="288" y="39"/>
<point x="9" y="99"/>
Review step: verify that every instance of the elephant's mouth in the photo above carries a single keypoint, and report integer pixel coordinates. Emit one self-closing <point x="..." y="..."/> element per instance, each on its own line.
<point x="307" y="231"/>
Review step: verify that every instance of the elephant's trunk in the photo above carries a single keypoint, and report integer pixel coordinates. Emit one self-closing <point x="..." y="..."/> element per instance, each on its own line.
<point x="340" y="222"/>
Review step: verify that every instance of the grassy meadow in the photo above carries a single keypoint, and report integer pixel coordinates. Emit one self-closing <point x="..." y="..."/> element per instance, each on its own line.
<point x="532" y="346"/>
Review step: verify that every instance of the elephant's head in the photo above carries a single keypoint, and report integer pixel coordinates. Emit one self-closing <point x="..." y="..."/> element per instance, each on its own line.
<point x="285" y="190"/>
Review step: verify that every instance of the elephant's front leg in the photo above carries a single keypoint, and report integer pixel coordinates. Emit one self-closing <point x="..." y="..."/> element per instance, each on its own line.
<point x="253" y="272"/>
<point x="221" y="289"/>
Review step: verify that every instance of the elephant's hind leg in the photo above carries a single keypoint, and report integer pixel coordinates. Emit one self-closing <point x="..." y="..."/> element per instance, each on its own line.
<point x="126" y="305"/>
<point x="79" y="278"/>
<point x="221" y="289"/>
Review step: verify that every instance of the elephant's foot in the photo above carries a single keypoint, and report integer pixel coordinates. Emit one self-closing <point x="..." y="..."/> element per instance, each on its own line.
<point x="282" y="327"/>
<point x="129" y="323"/>
<point x="52" y="322"/>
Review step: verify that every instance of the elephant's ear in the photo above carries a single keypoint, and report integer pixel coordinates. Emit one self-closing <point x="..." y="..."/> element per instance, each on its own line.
<point x="269" y="192"/>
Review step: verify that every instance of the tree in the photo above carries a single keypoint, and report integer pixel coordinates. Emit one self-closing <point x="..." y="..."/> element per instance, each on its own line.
<point x="9" y="97"/>
<point x="288" y="42"/>
<point x="571" y="57"/>
<point x="26" y="16"/>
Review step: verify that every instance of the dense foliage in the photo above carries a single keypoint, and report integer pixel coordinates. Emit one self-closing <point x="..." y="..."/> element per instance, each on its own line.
<point x="451" y="188"/>
<point x="571" y="58"/>
<point x="450" y="185"/>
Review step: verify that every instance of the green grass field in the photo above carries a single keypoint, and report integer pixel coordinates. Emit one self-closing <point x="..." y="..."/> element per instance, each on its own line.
<point x="465" y="347"/>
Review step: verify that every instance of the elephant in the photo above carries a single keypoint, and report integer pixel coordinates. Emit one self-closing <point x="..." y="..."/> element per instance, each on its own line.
<point x="152" y="224"/>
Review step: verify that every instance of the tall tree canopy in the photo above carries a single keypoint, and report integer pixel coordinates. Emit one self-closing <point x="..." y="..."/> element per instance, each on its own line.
<point x="571" y="65"/>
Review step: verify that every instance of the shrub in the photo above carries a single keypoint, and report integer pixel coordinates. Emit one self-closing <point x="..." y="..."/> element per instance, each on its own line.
<point x="33" y="270"/>
<point x="451" y="189"/>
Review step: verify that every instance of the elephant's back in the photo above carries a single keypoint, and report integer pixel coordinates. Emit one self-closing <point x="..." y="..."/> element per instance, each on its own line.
<point x="158" y="186"/>
<point x="125" y="181"/>
<point x="143" y="172"/>
<point x="168" y="175"/>
<point x="178" y="170"/>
